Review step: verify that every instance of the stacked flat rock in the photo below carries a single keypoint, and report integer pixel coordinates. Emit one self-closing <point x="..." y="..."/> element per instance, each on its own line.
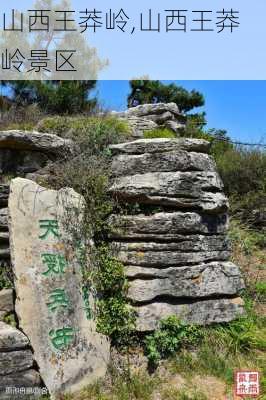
<point x="16" y="360"/>
<point x="176" y="252"/>
<point x="147" y="117"/>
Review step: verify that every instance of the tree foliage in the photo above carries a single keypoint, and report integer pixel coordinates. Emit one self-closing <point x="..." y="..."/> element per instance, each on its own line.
<point x="150" y="91"/>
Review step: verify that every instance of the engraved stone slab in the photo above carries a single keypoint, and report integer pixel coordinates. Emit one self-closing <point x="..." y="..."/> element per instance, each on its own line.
<point x="55" y="310"/>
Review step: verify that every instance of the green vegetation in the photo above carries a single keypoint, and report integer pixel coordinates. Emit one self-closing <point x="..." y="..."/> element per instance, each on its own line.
<point x="145" y="91"/>
<point x="169" y="338"/>
<point x="54" y="97"/>
<point x="94" y="132"/>
<point x="159" y="133"/>
<point x="115" y="316"/>
<point x="248" y="192"/>
<point x="6" y="278"/>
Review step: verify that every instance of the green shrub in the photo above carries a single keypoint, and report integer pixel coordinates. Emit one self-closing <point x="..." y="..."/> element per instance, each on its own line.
<point x="115" y="316"/>
<point x="6" y="276"/>
<point x="169" y="338"/>
<point x="243" y="174"/>
<point x="159" y="133"/>
<point x="93" y="133"/>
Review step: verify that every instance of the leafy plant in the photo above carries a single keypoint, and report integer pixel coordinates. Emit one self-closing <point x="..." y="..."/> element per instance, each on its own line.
<point x="169" y="338"/>
<point x="159" y="133"/>
<point x="115" y="316"/>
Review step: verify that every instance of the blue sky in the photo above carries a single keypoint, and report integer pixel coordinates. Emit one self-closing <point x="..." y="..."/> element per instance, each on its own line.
<point x="237" y="106"/>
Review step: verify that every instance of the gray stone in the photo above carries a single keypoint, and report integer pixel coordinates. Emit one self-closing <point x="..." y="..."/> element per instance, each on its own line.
<point x="203" y="312"/>
<point x="165" y="226"/>
<point x="211" y="279"/>
<point x="194" y="190"/>
<point x="160" y="145"/>
<point x="185" y="243"/>
<point x="11" y="338"/>
<point x="4" y="192"/>
<point x="4" y="237"/>
<point x="4" y="218"/>
<point x="161" y="259"/>
<point x="139" y="126"/>
<point x="25" y="379"/>
<point x="53" y="310"/>
<point x="174" y="126"/>
<point x="126" y="164"/>
<point x="6" y="302"/>
<point x="15" y="361"/>
<point x="35" y="141"/>
<point x="154" y="109"/>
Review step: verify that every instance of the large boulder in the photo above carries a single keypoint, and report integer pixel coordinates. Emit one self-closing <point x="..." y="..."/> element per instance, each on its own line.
<point x="35" y="141"/>
<point x="53" y="306"/>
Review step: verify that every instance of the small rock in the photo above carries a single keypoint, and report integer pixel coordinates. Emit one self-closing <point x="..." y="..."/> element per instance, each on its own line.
<point x="15" y="361"/>
<point x="6" y="302"/>
<point x="11" y="338"/>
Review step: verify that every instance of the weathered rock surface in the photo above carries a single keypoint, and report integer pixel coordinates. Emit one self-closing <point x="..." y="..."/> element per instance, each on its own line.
<point x="160" y="145"/>
<point x="212" y="279"/>
<point x="146" y="110"/>
<point x="127" y="164"/>
<point x="35" y="141"/>
<point x="15" y="361"/>
<point x="156" y="259"/>
<point x="193" y="190"/>
<point x="11" y="339"/>
<point x="176" y="260"/>
<point x="189" y="243"/>
<point x="166" y="226"/>
<point x="202" y="312"/>
<point x="52" y="307"/>
<point x="6" y="302"/>
<point x="140" y="125"/>
<point x="21" y="380"/>
<point x="152" y="116"/>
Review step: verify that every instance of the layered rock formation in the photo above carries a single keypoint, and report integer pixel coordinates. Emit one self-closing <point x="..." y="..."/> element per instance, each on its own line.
<point x="175" y="250"/>
<point x="16" y="360"/>
<point x="147" y="117"/>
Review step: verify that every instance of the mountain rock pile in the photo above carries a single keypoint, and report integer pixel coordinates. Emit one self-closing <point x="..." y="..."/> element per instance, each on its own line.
<point x="175" y="248"/>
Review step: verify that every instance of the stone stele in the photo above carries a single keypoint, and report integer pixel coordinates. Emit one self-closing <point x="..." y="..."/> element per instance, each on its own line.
<point x="55" y="311"/>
